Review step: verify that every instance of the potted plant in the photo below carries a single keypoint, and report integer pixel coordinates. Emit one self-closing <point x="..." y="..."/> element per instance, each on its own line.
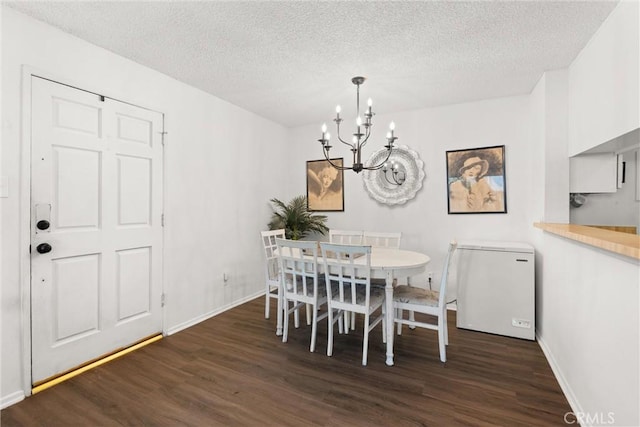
<point x="294" y="217"/>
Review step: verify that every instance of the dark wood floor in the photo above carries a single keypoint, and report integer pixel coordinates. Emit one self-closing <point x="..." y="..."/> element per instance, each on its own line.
<point x="233" y="370"/>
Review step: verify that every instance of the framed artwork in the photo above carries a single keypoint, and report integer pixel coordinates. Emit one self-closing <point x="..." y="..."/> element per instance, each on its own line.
<point x="325" y="186"/>
<point x="476" y="181"/>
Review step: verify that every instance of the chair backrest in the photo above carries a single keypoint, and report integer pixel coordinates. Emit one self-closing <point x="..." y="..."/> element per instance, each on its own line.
<point x="344" y="277"/>
<point x="382" y="240"/>
<point x="269" y="245"/>
<point x="445" y="273"/>
<point x="298" y="261"/>
<point x="345" y="237"/>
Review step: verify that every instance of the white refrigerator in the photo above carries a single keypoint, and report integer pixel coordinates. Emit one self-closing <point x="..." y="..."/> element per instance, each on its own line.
<point x="496" y="288"/>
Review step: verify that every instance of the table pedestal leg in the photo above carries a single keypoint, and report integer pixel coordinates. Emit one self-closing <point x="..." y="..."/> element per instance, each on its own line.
<point x="280" y="312"/>
<point x="389" y="316"/>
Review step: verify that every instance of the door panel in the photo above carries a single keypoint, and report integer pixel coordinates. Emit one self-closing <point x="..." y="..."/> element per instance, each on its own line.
<point x="97" y="176"/>
<point x="134" y="191"/>
<point x="134" y="282"/>
<point x="77" y="189"/>
<point x="76" y="284"/>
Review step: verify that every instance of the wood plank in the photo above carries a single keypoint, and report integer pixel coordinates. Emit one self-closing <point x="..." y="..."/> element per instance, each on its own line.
<point x="619" y="228"/>
<point x="233" y="370"/>
<point x="620" y="243"/>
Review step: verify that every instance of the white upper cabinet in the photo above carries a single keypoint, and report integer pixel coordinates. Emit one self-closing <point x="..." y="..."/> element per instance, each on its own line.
<point x="593" y="173"/>
<point x="603" y="82"/>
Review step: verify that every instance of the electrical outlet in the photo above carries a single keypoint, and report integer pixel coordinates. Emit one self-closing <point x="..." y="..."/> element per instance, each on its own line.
<point x="521" y="323"/>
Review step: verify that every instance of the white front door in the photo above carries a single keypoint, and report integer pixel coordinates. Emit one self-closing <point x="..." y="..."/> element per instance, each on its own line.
<point x="96" y="226"/>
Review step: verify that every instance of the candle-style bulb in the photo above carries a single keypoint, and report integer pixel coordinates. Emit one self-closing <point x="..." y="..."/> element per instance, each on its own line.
<point x="392" y="126"/>
<point x="354" y="139"/>
<point x="327" y="136"/>
<point x="338" y="109"/>
<point x="388" y="135"/>
<point x="359" y="121"/>
<point x="369" y="102"/>
<point x="324" y="127"/>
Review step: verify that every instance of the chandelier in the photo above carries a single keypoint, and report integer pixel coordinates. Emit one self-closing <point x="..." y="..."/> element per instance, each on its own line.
<point x="360" y="136"/>
<point x="397" y="176"/>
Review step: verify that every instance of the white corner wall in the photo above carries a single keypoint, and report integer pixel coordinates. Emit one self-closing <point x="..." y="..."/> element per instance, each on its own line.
<point x="587" y="300"/>
<point x="604" y="83"/>
<point x="589" y="328"/>
<point x="424" y="222"/>
<point x="215" y="200"/>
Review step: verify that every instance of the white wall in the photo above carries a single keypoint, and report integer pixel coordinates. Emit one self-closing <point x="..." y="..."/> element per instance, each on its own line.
<point x="423" y="221"/>
<point x="587" y="299"/>
<point x="603" y="82"/>
<point x="214" y="203"/>
<point x="589" y="328"/>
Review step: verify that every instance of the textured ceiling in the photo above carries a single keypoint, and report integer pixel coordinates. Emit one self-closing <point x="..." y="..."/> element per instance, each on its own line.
<point x="292" y="62"/>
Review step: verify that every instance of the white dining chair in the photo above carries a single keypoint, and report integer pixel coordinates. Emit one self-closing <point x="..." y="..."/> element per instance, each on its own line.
<point x="272" y="275"/>
<point x="345" y="237"/>
<point x="298" y="262"/>
<point x="349" y="290"/>
<point x="426" y="301"/>
<point x="380" y="239"/>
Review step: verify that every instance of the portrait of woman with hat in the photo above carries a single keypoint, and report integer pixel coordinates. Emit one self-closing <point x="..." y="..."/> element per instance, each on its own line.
<point x="471" y="189"/>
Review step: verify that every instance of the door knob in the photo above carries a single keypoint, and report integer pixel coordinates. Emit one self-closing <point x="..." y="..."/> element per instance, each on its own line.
<point x="43" y="224"/>
<point x="43" y="248"/>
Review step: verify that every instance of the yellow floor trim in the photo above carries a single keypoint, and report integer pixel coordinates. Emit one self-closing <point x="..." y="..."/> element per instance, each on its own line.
<point x="92" y="365"/>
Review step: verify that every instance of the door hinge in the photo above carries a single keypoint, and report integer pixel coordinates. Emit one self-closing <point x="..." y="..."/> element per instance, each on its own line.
<point x="162" y="300"/>
<point x="162" y="220"/>
<point x="162" y="138"/>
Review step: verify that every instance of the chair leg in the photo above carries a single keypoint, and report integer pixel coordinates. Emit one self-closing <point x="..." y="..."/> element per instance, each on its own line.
<point x="340" y="323"/>
<point x="296" y="317"/>
<point x="384" y="324"/>
<point x="353" y="320"/>
<point x="345" y="317"/>
<point x="412" y="317"/>
<point x="280" y="312"/>
<point x="285" y="326"/>
<point x="441" y="340"/>
<point x="399" y="315"/>
<point x="365" y="343"/>
<point x="266" y="303"/>
<point x="330" y="332"/>
<point x="446" y="327"/>
<point x="314" y="325"/>
<point x="308" y="311"/>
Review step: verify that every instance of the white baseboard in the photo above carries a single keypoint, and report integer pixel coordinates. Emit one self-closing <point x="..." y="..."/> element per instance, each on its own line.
<point x="564" y="385"/>
<point x="213" y="313"/>
<point x="11" y="399"/>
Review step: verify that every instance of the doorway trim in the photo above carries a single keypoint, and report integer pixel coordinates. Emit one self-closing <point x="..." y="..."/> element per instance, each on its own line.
<point x="28" y="72"/>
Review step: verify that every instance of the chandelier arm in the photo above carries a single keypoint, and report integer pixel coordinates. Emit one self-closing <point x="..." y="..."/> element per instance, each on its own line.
<point x="381" y="164"/>
<point x="394" y="177"/>
<point x="342" y="168"/>
<point x="346" y="143"/>
<point x="342" y="140"/>
<point x="366" y="138"/>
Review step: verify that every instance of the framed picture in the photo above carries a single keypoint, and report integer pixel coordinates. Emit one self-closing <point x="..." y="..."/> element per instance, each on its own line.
<point x="325" y="186"/>
<point x="476" y="181"/>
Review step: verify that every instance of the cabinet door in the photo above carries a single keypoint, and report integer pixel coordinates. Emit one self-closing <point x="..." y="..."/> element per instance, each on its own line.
<point x="593" y="173"/>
